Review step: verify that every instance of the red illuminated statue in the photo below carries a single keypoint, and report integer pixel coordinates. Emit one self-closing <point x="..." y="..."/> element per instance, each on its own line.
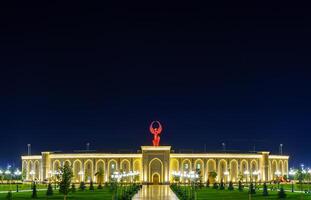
<point x="156" y="132"/>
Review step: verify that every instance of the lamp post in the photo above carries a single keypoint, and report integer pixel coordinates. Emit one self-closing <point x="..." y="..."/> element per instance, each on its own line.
<point x="8" y="174"/>
<point x="17" y="173"/>
<point x="81" y="175"/>
<point x="226" y="173"/>
<point x="309" y="175"/>
<point x="246" y="173"/>
<point x="278" y="173"/>
<point x="292" y="174"/>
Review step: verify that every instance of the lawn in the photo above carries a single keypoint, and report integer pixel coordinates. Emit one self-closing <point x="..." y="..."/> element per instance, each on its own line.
<point x="25" y="186"/>
<point x="79" y="195"/>
<point x="209" y="193"/>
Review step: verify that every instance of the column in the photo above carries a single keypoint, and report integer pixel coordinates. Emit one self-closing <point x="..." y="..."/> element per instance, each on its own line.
<point x="264" y="166"/>
<point x="45" y="165"/>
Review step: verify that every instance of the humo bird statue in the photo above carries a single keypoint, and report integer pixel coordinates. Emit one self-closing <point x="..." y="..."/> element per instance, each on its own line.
<point x="156" y="132"/>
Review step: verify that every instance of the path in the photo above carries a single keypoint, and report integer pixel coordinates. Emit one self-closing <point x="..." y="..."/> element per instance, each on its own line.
<point x="155" y="192"/>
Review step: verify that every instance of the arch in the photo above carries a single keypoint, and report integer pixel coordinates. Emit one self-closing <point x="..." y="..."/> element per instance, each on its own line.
<point x="253" y="169"/>
<point x="36" y="169"/>
<point x="210" y="167"/>
<point x="281" y="167"/>
<point x="77" y="168"/>
<point x="137" y="168"/>
<point x="155" y="174"/>
<point x="199" y="165"/>
<point x="88" y="170"/>
<point x="234" y="170"/>
<point x="100" y="171"/>
<point x="56" y="166"/>
<point x="156" y="166"/>
<point x="29" y="169"/>
<point x="186" y="165"/>
<point x="125" y="165"/>
<point x="24" y="169"/>
<point x="222" y="168"/>
<point x="112" y="167"/>
<point x="274" y="168"/>
<point x="174" y="165"/>
<point x="68" y="162"/>
<point x="243" y="169"/>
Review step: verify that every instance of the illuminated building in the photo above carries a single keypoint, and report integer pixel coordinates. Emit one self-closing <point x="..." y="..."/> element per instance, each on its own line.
<point x="157" y="164"/>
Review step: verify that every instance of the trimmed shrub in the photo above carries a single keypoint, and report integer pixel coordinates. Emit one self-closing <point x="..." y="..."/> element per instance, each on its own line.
<point x="215" y="185"/>
<point x="230" y="187"/>
<point x="240" y="186"/>
<point x="49" y="191"/>
<point x="251" y="189"/>
<point x="9" y="196"/>
<point x="73" y="188"/>
<point x="281" y="193"/>
<point x="91" y="186"/>
<point x="82" y="186"/>
<point x="265" y="190"/>
<point x="34" y="194"/>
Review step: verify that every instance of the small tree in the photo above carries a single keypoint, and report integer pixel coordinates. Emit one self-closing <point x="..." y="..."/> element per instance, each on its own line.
<point x="100" y="175"/>
<point x="230" y="187"/>
<point x="251" y="189"/>
<point x="49" y="191"/>
<point x="34" y="194"/>
<point x="9" y="196"/>
<point x="215" y="185"/>
<point x="66" y="176"/>
<point x="265" y="190"/>
<point x="208" y="183"/>
<point x="222" y="185"/>
<point x="99" y="186"/>
<point x="82" y="186"/>
<point x="73" y="187"/>
<point x="281" y="194"/>
<point x="91" y="186"/>
<point x="240" y="186"/>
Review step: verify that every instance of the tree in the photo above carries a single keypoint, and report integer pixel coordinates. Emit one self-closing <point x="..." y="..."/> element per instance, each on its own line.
<point x="73" y="187"/>
<point x="91" y="186"/>
<point x="215" y="185"/>
<point x="34" y="194"/>
<point x="281" y="194"/>
<point x="9" y="196"/>
<point x="222" y="185"/>
<point x="100" y="175"/>
<point x="99" y="186"/>
<point x="240" y="186"/>
<point x="230" y="187"/>
<point x="265" y="190"/>
<point x="49" y="191"/>
<point x="208" y="183"/>
<point x="82" y="186"/>
<point x="66" y="176"/>
<point x="251" y="189"/>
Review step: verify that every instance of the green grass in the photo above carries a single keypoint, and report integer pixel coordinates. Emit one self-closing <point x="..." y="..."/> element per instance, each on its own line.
<point x="6" y="187"/>
<point x="208" y="193"/>
<point x="297" y="187"/>
<point x="79" y="195"/>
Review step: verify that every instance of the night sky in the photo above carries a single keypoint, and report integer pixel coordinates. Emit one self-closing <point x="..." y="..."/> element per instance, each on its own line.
<point x="76" y="73"/>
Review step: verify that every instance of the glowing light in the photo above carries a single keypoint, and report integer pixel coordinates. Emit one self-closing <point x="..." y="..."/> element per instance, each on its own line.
<point x="17" y="172"/>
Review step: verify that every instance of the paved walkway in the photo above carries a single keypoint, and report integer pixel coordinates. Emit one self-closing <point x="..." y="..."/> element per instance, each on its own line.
<point x="155" y="192"/>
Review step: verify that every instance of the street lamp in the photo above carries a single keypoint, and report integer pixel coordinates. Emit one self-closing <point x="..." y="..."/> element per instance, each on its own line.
<point x="278" y="173"/>
<point x="292" y="174"/>
<point x="246" y="173"/>
<point x="309" y="172"/>
<point x="226" y="173"/>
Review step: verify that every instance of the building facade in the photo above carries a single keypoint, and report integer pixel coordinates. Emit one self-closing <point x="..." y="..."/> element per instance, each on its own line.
<point x="157" y="164"/>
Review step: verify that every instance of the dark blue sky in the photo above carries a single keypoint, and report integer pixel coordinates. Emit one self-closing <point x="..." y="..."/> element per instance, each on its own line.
<point x="77" y="73"/>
